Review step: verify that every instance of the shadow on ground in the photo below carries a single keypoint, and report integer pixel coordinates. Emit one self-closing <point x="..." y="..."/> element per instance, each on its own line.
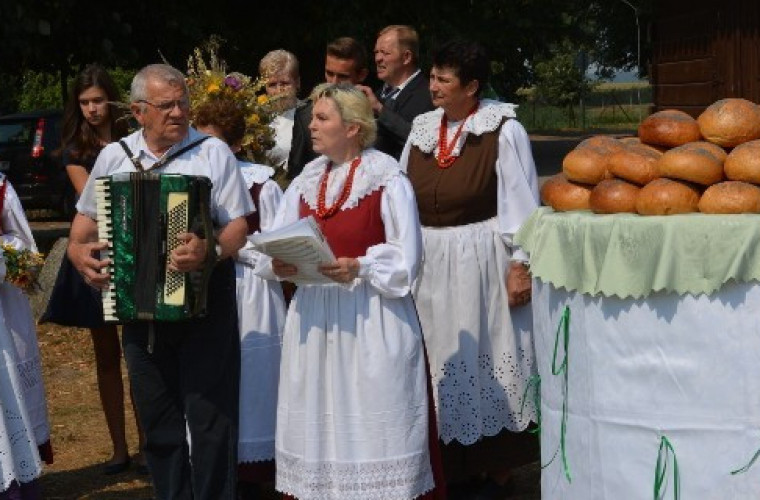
<point x="89" y="483"/>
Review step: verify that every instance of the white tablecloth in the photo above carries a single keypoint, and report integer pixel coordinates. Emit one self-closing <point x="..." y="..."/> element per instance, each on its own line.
<point x="683" y="367"/>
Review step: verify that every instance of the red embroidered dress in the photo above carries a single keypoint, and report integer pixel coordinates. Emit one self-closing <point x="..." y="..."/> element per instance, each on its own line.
<point x="352" y="419"/>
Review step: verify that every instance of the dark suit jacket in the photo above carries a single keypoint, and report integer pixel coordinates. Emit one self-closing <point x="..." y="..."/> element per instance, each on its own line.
<point x="301" y="152"/>
<point x="395" y="120"/>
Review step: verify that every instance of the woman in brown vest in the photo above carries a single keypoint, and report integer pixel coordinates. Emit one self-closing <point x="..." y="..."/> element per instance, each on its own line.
<point x="475" y="182"/>
<point x="353" y="411"/>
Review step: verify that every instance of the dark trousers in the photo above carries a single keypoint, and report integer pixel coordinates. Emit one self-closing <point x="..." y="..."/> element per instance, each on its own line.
<point x="190" y="382"/>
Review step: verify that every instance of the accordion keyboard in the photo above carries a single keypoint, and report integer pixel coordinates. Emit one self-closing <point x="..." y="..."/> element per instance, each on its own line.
<point x="105" y="234"/>
<point x="177" y="222"/>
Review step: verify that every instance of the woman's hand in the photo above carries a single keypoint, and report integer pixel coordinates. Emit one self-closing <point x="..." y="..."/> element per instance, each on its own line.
<point x="343" y="270"/>
<point x="518" y="284"/>
<point x="283" y="269"/>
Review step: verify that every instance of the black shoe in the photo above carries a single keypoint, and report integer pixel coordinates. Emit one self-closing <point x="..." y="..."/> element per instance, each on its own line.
<point x="116" y="468"/>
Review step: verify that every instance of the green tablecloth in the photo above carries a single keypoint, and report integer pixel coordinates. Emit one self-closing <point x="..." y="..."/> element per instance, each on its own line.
<point x="628" y="255"/>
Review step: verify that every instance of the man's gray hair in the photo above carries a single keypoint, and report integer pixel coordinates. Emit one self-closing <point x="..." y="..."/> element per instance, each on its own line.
<point x="162" y="72"/>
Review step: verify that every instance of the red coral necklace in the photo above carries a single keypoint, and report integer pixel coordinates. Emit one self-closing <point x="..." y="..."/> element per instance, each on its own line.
<point x="445" y="158"/>
<point x="324" y="212"/>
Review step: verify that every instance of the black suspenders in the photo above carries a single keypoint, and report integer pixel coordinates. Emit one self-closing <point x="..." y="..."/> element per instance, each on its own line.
<point x="163" y="161"/>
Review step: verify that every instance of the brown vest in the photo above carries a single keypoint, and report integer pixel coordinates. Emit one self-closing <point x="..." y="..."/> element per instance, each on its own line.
<point x="462" y="194"/>
<point x="352" y="231"/>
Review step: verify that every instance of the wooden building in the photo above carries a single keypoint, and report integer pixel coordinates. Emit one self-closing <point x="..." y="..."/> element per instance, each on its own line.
<point x="704" y="50"/>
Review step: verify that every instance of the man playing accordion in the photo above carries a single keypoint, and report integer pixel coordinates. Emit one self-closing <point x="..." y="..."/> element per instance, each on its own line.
<point x="184" y="374"/>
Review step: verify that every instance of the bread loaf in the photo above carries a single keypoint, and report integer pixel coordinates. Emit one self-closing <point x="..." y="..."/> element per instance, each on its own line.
<point x="563" y="195"/>
<point x="667" y="197"/>
<point x="603" y="143"/>
<point x="636" y="164"/>
<point x="669" y="128"/>
<point x="613" y="196"/>
<point x="691" y="163"/>
<point x="586" y="164"/>
<point x="730" y="122"/>
<point x="635" y="141"/>
<point x="731" y="197"/>
<point x="743" y="164"/>
<point x="718" y="152"/>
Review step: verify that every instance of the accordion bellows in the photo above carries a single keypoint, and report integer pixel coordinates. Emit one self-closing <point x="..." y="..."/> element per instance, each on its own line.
<point x="140" y="215"/>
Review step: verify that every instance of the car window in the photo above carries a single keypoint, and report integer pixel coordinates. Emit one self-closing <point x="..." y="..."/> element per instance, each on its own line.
<point x="16" y="133"/>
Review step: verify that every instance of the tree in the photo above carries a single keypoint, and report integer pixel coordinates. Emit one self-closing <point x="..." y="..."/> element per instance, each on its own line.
<point x="561" y="81"/>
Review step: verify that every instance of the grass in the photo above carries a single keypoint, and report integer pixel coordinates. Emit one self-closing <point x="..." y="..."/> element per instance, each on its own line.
<point x="611" y="106"/>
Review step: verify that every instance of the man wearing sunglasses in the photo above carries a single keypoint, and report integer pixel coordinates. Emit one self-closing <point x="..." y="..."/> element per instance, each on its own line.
<point x="184" y="375"/>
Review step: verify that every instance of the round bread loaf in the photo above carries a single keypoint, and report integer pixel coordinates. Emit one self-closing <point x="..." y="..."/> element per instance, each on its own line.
<point x="587" y="165"/>
<point x="612" y="196"/>
<point x="636" y="163"/>
<point x="667" y="197"/>
<point x="730" y="122"/>
<point x="691" y="163"/>
<point x="670" y="128"/>
<point x="718" y="152"/>
<point x="563" y="195"/>
<point x="743" y="163"/>
<point x="635" y="141"/>
<point x="731" y="197"/>
<point x="603" y="143"/>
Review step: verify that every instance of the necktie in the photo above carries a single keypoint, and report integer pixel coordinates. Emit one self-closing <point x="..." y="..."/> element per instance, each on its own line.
<point x="388" y="93"/>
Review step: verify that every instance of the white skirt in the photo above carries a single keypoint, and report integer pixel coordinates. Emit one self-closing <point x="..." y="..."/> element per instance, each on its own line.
<point x="23" y="423"/>
<point x="481" y="352"/>
<point x="352" y="419"/>
<point x="261" y="316"/>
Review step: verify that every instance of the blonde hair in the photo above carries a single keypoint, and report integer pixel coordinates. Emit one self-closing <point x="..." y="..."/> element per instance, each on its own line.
<point x="353" y="106"/>
<point x="277" y="61"/>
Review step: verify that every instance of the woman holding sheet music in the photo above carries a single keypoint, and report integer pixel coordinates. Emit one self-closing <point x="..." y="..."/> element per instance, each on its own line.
<point x="353" y="408"/>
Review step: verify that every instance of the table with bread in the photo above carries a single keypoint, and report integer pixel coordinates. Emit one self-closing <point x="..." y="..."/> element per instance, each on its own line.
<point x="646" y="307"/>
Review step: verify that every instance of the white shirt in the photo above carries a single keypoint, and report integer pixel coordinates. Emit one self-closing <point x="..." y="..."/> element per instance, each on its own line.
<point x="283" y="136"/>
<point x="212" y="158"/>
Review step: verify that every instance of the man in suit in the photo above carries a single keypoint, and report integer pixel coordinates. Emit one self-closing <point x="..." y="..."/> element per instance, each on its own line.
<point x="405" y="93"/>
<point x="345" y="61"/>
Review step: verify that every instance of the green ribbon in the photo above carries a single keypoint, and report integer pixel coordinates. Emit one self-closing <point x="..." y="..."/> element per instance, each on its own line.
<point x="661" y="470"/>
<point x="748" y="466"/>
<point x="562" y="328"/>
<point x="534" y="382"/>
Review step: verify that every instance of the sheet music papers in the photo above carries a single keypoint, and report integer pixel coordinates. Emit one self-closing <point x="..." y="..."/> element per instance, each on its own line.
<point x="301" y="244"/>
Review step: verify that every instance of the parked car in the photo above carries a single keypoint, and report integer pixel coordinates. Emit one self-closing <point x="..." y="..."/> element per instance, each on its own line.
<point x="30" y="157"/>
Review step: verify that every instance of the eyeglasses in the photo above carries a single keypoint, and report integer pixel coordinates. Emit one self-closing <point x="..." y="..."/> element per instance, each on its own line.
<point x="168" y="106"/>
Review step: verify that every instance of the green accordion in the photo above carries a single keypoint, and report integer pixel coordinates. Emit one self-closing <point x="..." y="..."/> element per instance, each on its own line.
<point x="140" y="215"/>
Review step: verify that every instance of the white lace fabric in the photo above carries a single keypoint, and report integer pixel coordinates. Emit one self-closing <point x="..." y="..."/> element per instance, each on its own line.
<point x="487" y="118"/>
<point x="376" y="172"/>
<point x="399" y="479"/>
<point x="255" y="173"/>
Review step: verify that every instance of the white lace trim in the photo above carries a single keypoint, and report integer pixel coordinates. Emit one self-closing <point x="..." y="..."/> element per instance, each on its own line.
<point x="397" y="479"/>
<point x="254" y="173"/>
<point x="21" y="463"/>
<point x="476" y="401"/>
<point x="424" y="134"/>
<point x="375" y="171"/>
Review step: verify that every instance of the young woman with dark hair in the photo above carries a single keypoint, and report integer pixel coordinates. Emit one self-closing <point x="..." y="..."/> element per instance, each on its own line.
<point x="91" y="120"/>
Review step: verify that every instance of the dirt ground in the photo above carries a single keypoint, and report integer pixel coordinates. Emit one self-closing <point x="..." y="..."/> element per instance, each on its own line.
<point x="79" y="435"/>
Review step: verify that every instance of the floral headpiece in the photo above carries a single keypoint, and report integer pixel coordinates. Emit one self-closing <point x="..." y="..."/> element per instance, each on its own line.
<point x="207" y="81"/>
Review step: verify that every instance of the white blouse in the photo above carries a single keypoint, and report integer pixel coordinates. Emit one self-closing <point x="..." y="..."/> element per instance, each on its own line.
<point x="389" y="267"/>
<point x="517" y="193"/>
